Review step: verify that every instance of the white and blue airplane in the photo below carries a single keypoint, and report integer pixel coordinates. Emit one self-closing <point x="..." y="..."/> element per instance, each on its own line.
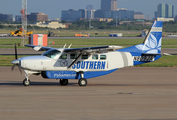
<point x="84" y="63"/>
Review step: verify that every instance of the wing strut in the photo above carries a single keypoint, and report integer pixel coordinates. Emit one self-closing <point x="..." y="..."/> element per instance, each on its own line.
<point x="75" y="60"/>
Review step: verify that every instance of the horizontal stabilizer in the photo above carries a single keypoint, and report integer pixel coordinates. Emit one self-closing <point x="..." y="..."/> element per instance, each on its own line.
<point x="169" y="54"/>
<point x="149" y="54"/>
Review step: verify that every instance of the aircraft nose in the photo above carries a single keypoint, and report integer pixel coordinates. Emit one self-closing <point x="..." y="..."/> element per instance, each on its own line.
<point x="15" y="62"/>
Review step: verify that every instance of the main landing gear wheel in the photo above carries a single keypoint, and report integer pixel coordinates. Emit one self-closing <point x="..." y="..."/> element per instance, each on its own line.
<point x="82" y="82"/>
<point x="26" y="82"/>
<point x="63" y="82"/>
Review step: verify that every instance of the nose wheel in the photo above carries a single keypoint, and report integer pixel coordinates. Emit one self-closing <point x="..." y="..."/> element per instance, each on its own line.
<point x="26" y="82"/>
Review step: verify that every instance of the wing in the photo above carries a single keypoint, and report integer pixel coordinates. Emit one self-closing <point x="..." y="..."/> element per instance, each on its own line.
<point x="78" y="50"/>
<point x="40" y="48"/>
<point x="90" y="50"/>
<point x="19" y="54"/>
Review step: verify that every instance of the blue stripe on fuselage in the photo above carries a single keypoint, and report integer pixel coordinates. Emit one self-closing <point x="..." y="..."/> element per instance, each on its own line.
<point x="75" y="75"/>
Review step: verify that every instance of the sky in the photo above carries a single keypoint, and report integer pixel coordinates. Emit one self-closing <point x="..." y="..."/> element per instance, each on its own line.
<point x="53" y="7"/>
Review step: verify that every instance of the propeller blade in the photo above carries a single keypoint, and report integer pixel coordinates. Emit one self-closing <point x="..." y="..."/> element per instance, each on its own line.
<point x="12" y="67"/>
<point x="20" y="69"/>
<point x="15" y="51"/>
<point x="16" y="61"/>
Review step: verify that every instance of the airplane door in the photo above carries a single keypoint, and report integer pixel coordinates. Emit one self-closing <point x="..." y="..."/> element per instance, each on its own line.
<point x="113" y="60"/>
<point x="62" y="62"/>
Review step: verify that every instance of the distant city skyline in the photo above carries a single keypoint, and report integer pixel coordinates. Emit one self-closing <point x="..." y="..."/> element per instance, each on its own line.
<point x="53" y="7"/>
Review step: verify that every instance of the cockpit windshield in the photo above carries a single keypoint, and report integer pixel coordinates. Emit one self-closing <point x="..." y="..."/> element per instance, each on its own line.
<point x="52" y="53"/>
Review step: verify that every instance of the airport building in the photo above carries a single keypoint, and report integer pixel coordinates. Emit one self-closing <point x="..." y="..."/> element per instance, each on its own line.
<point x="35" y="17"/>
<point x="164" y="11"/>
<point x="6" y="17"/>
<point x="49" y="24"/>
<point x="165" y="19"/>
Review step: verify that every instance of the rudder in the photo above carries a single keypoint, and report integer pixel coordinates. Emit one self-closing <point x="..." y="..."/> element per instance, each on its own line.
<point x="153" y="41"/>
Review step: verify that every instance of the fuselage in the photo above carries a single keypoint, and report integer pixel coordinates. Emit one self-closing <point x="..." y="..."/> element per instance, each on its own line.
<point x="93" y="65"/>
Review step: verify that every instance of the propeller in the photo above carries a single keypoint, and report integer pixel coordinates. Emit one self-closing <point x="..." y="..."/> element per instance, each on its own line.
<point x="16" y="61"/>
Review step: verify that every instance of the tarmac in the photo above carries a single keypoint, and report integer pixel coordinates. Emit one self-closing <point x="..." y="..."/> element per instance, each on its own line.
<point x="133" y="93"/>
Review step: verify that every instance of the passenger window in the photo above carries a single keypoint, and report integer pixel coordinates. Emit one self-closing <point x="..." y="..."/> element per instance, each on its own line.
<point x="64" y="56"/>
<point x="84" y="56"/>
<point x="73" y="56"/>
<point x="95" y="57"/>
<point x="102" y="57"/>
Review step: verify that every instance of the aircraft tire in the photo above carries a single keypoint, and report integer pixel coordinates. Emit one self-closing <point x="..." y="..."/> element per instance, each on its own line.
<point x="63" y="82"/>
<point x="82" y="82"/>
<point x="26" y="82"/>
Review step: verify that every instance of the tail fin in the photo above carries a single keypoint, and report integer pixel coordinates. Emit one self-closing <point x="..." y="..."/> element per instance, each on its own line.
<point x="152" y="42"/>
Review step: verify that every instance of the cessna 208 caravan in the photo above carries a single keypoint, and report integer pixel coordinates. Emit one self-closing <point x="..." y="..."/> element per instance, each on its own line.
<point x="84" y="63"/>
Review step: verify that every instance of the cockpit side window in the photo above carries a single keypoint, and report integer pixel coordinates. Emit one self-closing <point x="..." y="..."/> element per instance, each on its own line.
<point x="52" y="53"/>
<point x="64" y="56"/>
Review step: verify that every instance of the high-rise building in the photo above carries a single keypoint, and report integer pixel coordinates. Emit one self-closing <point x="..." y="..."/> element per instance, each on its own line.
<point x="138" y="15"/>
<point x="147" y="17"/>
<point x="109" y="5"/>
<point x="161" y="10"/>
<point x="175" y="18"/>
<point x="90" y="14"/>
<point x="18" y="18"/>
<point x="170" y="12"/>
<point x="165" y="11"/>
<point x="6" y="17"/>
<point x="89" y="7"/>
<point x="70" y="14"/>
<point x="74" y="15"/>
<point x="37" y="17"/>
<point x="83" y="13"/>
<point x="121" y="14"/>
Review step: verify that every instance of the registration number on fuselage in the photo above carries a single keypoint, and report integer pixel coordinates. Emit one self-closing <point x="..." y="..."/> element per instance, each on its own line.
<point x="143" y="58"/>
